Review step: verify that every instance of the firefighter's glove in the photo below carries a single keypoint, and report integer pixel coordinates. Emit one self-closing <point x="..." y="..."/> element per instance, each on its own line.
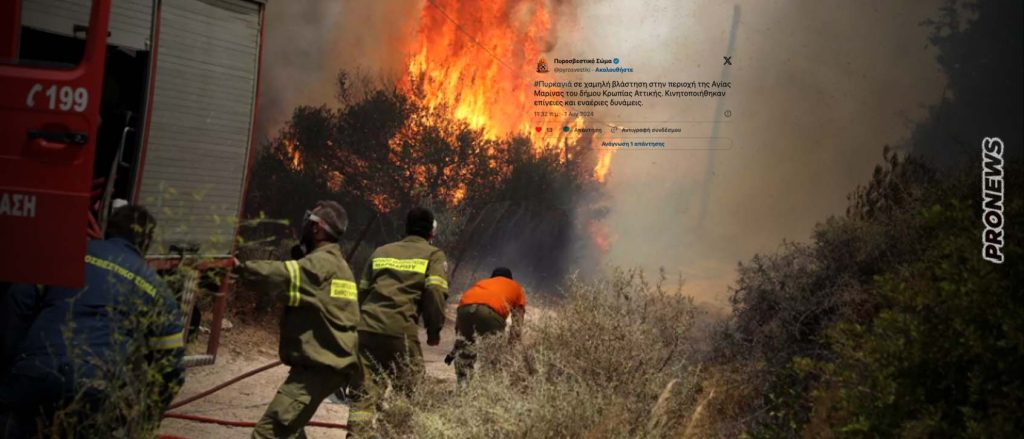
<point x="298" y="251"/>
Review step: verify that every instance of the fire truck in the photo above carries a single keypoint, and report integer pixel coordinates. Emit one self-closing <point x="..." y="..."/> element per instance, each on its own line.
<point x="148" y="101"/>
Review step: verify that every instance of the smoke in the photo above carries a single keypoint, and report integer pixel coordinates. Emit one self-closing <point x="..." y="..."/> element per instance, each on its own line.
<point x="819" y="88"/>
<point x="307" y="42"/>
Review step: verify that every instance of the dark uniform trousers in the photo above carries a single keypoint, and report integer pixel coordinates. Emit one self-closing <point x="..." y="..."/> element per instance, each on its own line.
<point x="299" y="397"/>
<point x="403" y="283"/>
<point x="386" y="359"/>
<point x="472" y="321"/>
<point x="318" y="338"/>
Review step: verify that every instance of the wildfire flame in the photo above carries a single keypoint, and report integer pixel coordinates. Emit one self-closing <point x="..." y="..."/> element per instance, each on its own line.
<point x="291" y="149"/>
<point x="478" y="64"/>
<point x="604" y="164"/>
<point x="480" y="61"/>
<point x="476" y="61"/>
<point x="458" y="194"/>
<point x="381" y="202"/>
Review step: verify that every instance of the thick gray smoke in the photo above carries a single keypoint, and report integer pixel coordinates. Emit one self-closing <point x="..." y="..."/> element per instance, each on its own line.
<point x="819" y="88"/>
<point x="307" y="42"/>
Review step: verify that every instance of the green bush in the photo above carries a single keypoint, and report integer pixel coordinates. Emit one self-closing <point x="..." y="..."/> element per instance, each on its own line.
<point x="943" y="355"/>
<point x="888" y="323"/>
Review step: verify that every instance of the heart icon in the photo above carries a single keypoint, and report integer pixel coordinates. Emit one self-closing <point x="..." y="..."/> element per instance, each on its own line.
<point x="538" y="129"/>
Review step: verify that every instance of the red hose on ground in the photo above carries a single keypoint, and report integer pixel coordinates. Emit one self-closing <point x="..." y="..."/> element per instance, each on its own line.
<point x="231" y="423"/>
<point x="218" y="387"/>
<point x="244" y="423"/>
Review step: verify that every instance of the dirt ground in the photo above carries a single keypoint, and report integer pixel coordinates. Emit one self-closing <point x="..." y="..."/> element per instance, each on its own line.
<point x="247" y="347"/>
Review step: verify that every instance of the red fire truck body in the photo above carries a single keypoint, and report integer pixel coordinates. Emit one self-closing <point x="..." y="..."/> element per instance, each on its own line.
<point x="149" y="101"/>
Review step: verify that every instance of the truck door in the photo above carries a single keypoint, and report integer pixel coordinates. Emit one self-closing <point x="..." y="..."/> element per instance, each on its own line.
<point x="49" y="114"/>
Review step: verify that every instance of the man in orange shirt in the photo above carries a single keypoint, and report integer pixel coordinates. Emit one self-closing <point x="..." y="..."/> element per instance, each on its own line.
<point x="482" y="311"/>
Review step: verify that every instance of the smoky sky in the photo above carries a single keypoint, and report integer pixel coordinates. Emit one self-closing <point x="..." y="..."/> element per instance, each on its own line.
<point x="307" y="42"/>
<point x="819" y="87"/>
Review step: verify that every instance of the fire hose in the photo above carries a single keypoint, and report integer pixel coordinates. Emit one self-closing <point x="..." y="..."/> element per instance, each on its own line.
<point x="249" y="424"/>
<point x="220" y="386"/>
<point x="232" y="423"/>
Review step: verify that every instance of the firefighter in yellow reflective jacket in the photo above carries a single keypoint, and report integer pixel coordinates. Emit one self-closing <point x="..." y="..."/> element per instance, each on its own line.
<point x="318" y="329"/>
<point x="403" y="282"/>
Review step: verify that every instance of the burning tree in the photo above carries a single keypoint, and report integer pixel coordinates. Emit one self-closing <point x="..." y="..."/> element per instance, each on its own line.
<point x="388" y="151"/>
<point x="456" y="132"/>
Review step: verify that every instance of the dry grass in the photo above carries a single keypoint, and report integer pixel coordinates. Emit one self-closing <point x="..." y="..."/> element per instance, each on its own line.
<point x="612" y="359"/>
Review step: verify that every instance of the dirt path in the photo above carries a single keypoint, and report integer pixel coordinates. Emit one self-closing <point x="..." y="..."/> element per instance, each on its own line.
<point x="244" y="348"/>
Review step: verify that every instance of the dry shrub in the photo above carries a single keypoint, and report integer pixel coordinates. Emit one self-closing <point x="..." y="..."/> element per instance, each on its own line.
<point x="126" y="393"/>
<point x="611" y="361"/>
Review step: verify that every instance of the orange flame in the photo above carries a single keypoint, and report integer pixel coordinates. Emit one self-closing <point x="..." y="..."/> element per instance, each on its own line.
<point x="480" y="62"/>
<point x="291" y="148"/>
<point x="604" y="164"/>
<point x="382" y="202"/>
<point x="458" y="195"/>
<point x="475" y="62"/>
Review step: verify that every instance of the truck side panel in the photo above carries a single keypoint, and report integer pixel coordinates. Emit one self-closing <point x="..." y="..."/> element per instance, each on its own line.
<point x="130" y="20"/>
<point x="200" y="124"/>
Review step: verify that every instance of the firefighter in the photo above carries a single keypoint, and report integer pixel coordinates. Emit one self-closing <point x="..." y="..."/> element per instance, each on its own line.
<point x="318" y="329"/>
<point x="120" y="333"/>
<point x="482" y="311"/>
<point x="403" y="282"/>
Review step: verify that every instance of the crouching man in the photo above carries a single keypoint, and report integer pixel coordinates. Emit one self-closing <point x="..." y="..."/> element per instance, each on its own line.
<point x="482" y="311"/>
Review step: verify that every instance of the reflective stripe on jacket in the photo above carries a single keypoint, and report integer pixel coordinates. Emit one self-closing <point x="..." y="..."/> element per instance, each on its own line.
<point x="321" y="313"/>
<point x="402" y="282"/>
<point x="123" y="306"/>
